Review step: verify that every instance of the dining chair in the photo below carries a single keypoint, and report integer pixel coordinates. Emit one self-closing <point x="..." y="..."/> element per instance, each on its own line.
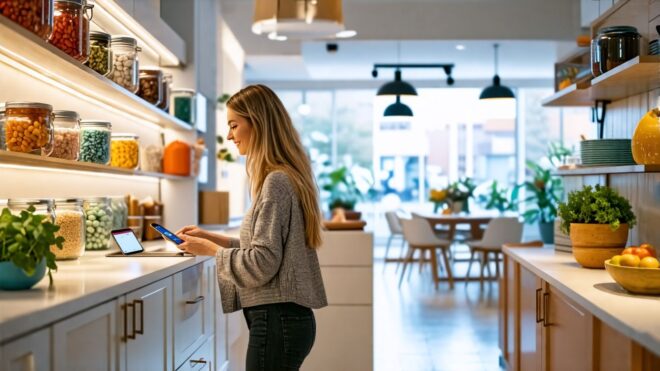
<point x="396" y="231"/>
<point x="420" y="236"/>
<point x="499" y="231"/>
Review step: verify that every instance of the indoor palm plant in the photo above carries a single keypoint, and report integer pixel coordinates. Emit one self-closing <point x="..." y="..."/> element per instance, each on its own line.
<point x="498" y="199"/>
<point x="25" y="255"/>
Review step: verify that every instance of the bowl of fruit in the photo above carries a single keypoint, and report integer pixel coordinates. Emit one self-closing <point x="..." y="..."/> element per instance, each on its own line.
<point x="637" y="270"/>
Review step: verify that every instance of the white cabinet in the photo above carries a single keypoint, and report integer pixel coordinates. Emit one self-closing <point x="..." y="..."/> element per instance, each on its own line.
<point x="201" y="359"/>
<point x="87" y="341"/>
<point x="29" y="353"/>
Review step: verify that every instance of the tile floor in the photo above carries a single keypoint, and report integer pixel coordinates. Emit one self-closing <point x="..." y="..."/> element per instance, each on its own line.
<point x="417" y="328"/>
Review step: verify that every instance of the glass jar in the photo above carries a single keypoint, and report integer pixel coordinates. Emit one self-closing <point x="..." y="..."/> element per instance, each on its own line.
<point x="42" y="206"/>
<point x="183" y="105"/>
<point x="28" y="127"/>
<point x="34" y="15"/>
<point x="3" y="145"/>
<point x="95" y="141"/>
<point x="100" y="55"/>
<point x="88" y="14"/>
<point x="124" y="151"/>
<point x="67" y="32"/>
<point x="125" y="62"/>
<point x="66" y="142"/>
<point x="151" y="85"/>
<point x="119" y="212"/>
<point x="613" y="46"/>
<point x="69" y="215"/>
<point x="98" y="223"/>
<point x="152" y="159"/>
<point x="166" y="87"/>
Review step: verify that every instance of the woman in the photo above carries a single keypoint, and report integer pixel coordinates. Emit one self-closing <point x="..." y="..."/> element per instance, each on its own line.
<point x="272" y="272"/>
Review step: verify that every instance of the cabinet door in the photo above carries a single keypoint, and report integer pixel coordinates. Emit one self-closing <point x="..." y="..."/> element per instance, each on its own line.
<point x="568" y="333"/>
<point x="511" y="316"/>
<point x="87" y="341"/>
<point x="29" y="353"/>
<point x="149" y="327"/>
<point x="531" y="329"/>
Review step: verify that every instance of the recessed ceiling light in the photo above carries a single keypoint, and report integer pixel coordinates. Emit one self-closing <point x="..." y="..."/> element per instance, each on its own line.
<point x="460" y="47"/>
<point x="345" y="34"/>
<point x="276" y="37"/>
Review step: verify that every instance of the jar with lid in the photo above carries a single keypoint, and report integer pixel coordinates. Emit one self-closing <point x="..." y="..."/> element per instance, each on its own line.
<point x="151" y="85"/>
<point x="42" y="206"/>
<point x="67" y="32"/>
<point x="2" y="126"/>
<point x="125" y="62"/>
<point x="95" y="141"/>
<point x="70" y="217"/>
<point x="66" y="142"/>
<point x="182" y="105"/>
<point x="88" y="14"/>
<point x="166" y="88"/>
<point x="152" y="159"/>
<point x="177" y="158"/>
<point x="28" y="127"/>
<point x="119" y="212"/>
<point x="98" y="223"/>
<point x="100" y="55"/>
<point x="613" y="46"/>
<point x="124" y="150"/>
<point x="34" y="15"/>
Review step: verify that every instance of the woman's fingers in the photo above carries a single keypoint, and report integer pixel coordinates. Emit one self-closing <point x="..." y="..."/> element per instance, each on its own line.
<point x="186" y="229"/>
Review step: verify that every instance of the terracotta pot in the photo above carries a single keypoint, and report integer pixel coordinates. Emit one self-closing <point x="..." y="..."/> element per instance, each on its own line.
<point x="595" y="243"/>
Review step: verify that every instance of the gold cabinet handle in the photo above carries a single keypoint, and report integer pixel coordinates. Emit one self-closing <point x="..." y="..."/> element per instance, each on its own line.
<point x="538" y="306"/>
<point x="141" y="302"/>
<point x="200" y="361"/>
<point x="124" y="308"/>
<point x="195" y="300"/>
<point x="546" y="311"/>
<point x="132" y="335"/>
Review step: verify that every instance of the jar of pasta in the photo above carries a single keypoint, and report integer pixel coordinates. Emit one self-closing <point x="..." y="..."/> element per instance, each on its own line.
<point x="70" y="217"/>
<point x="95" y="141"/>
<point x="28" y="127"/>
<point x="98" y="222"/>
<point x="124" y="150"/>
<point x="66" y="143"/>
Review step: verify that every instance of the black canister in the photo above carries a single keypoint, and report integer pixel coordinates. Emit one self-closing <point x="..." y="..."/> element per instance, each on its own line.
<point x="613" y="46"/>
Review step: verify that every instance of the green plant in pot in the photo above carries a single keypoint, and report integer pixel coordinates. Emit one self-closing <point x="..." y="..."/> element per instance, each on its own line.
<point x="597" y="220"/>
<point x="342" y="188"/>
<point x="459" y="194"/>
<point x="25" y="255"/>
<point x="497" y="199"/>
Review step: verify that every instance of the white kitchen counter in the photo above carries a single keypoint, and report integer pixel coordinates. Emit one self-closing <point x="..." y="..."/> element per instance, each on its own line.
<point x="82" y="284"/>
<point x="635" y="316"/>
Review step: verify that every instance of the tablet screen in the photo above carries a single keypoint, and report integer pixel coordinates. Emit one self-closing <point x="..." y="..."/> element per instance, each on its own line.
<point x="127" y="242"/>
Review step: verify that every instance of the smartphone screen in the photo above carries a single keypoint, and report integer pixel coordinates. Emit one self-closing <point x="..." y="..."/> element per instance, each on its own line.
<point x="127" y="242"/>
<point x="166" y="233"/>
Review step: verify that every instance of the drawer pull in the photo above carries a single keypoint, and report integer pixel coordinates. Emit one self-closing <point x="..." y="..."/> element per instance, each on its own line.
<point x="200" y="361"/>
<point x="546" y="310"/>
<point x="132" y="335"/>
<point x="141" y="302"/>
<point x="538" y="306"/>
<point x="195" y="301"/>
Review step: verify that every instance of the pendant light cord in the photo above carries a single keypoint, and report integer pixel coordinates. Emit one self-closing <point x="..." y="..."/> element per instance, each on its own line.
<point x="495" y="46"/>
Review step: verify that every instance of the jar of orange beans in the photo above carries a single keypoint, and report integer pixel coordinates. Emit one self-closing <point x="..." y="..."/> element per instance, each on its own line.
<point x="67" y="32"/>
<point x="28" y="128"/>
<point x="33" y="15"/>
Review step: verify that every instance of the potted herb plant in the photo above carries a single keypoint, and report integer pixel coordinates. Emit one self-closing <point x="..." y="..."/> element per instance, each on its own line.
<point x="343" y="190"/>
<point x="597" y="220"/>
<point x="497" y="199"/>
<point x="25" y="255"/>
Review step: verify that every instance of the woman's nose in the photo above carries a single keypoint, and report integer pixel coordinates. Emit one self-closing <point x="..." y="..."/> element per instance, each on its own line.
<point x="230" y="136"/>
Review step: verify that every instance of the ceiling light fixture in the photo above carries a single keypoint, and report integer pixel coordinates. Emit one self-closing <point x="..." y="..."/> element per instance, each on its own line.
<point x="460" y="47"/>
<point x="398" y="109"/>
<point x="396" y="87"/>
<point x="496" y="91"/>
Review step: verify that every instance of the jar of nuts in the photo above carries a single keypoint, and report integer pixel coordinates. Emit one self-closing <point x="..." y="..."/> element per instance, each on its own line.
<point x="124" y="151"/>
<point x="125" y="62"/>
<point x="66" y="143"/>
<point x="95" y="141"/>
<point x="67" y="32"/>
<point x="100" y="56"/>
<point x="151" y="85"/>
<point x="41" y="206"/>
<point x="70" y="217"/>
<point x="28" y="127"/>
<point x="34" y="15"/>
<point x="166" y="87"/>
<point x="183" y="105"/>
<point x="98" y="223"/>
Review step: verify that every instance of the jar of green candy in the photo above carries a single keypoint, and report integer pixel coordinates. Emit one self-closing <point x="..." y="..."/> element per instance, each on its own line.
<point x="95" y="141"/>
<point x="119" y="212"/>
<point x="183" y="105"/>
<point x="98" y="223"/>
<point x="100" y="54"/>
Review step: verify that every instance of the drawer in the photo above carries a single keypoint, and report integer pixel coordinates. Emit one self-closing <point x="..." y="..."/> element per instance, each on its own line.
<point x="200" y="360"/>
<point x="346" y="248"/>
<point x="191" y="313"/>
<point x="348" y="285"/>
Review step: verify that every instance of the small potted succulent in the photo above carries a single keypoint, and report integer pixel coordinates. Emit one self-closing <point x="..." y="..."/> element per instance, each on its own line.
<point x="597" y="220"/>
<point x="25" y="243"/>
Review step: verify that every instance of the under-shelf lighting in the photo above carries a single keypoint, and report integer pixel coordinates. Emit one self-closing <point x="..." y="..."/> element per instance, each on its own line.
<point x="141" y="178"/>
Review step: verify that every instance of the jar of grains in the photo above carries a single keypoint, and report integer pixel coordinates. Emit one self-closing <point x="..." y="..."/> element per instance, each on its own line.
<point x="98" y="223"/>
<point x="151" y="85"/>
<point x="100" y="56"/>
<point x="119" y="212"/>
<point x="28" y="127"/>
<point x="70" y="217"/>
<point x="88" y="14"/>
<point x="66" y="143"/>
<point x="125" y="62"/>
<point x="124" y="151"/>
<point x="33" y="15"/>
<point x="67" y="32"/>
<point x="183" y="105"/>
<point x="152" y="159"/>
<point x="95" y="141"/>
<point x="41" y="206"/>
<point x="166" y="87"/>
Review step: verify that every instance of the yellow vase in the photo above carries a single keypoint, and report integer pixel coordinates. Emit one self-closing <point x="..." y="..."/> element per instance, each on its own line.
<point x="646" y="140"/>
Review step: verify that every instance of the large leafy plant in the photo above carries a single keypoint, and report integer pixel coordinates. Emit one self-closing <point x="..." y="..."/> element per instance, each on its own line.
<point x="497" y="198"/>
<point x="342" y="187"/>
<point x="25" y="240"/>
<point x="543" y="194"/>
<point x="599" y="205"/>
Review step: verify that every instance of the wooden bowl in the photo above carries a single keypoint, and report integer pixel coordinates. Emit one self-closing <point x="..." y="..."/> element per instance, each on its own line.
<point x="349" y="225"/>
<point x="636" y="280"/>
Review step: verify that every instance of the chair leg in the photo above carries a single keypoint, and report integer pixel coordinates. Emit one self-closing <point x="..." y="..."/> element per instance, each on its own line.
<point x="387" y="249"/>
<point x="484" y="263"/>
<point x="450" y="276"/>
<point x="497" y="265"/>
<point x="434" y="268"/>
<point x="402" y="255"/>
<point x="467" y="275"/>
<point x="422" y="259"/>
<point x="490" y="273"/>
<point x="406" y="260"/>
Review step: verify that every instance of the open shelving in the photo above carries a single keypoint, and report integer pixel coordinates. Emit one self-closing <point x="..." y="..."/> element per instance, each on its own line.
<point x="598" y="170"/>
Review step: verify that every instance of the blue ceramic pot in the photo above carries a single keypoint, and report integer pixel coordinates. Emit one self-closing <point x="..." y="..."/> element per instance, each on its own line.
<point x="547" y="231"/>
<point x="13" y="278"/>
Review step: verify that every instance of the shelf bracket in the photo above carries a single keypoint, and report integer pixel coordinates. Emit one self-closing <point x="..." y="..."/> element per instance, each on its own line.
<point x="598" y="112"/>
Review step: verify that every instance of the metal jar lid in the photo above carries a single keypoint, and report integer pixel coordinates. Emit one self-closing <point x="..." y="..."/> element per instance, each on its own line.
<point x="96" y="200"/>
<point x="96" y="123"/>
<point x="75" y="201"/>
<point x="69" y="115"/>
<point x="124" y="135"/>
<point x="2" y="107"/>
<point x="99" y="36"/>
<point x="77" y="2"/>
<point x="10" y="105"/>
<point x="183" y="90"/>
<point x="617" y="29"/>
<point x="125" y="40"/>
<point x="30" y="201"/>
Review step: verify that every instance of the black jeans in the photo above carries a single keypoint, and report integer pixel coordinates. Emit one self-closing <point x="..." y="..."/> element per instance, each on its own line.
<point x="281" y="336"/>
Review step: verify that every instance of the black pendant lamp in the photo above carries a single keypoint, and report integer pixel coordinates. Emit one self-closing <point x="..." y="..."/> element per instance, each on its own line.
<point x="398" y="109"/>
<point x="496" y="91"/>
<point x="397" y="87"/>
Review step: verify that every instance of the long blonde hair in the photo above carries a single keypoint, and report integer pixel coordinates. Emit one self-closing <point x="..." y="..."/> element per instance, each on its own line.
<point x="276" y="145"/>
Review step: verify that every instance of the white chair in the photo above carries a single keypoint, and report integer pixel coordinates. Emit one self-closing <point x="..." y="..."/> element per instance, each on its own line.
<point x="499" y="231"/>
<point x="420" y="236"/>
<point x="395" y="230"/>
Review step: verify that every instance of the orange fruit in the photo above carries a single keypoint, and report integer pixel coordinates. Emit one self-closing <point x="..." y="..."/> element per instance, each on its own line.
<point x="649" y="262"/>
<point x="630" y="260"/>
<point x="642" y="253"/>
<point x="650" y="248"/>
<point x="628" y="250"/>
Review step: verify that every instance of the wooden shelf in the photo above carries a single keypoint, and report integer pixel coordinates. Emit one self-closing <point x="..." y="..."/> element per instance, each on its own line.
<point x="24" y="159"/>
<point x="598" y="170"/>
<point x="574" y="95"/>
<point x="29" y="54"/>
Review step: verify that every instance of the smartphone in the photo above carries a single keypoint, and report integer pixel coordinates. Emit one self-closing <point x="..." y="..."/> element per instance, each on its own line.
<point x="127" y="242"/>
<point x="166" y="233"/>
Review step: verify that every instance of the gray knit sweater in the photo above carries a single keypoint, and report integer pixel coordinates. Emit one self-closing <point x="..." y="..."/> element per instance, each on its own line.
<point x="271" y="263"/>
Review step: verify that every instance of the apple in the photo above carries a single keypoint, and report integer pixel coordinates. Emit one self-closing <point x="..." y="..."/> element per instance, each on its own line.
<point x="628" y="250"/>
<point x="616" y="260"/>
<point x="641" y="252"/>
<point x="650" y="248"/>
<point x="649" y="262"/>
<point x="630" y="260"/>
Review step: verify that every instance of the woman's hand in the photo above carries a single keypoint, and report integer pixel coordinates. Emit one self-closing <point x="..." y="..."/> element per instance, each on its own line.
<point x="197" y="246"/>
<point x="193" y="230"/>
